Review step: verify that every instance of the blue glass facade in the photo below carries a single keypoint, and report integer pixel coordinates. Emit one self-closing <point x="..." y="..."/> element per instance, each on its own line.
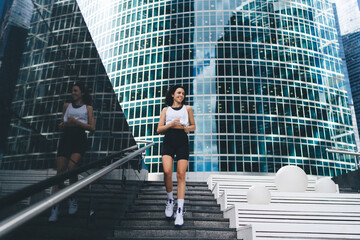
<point x="349" y="28"/>
<point x="59" y="51"/>
<point x="351" y="44"/>
<point x="4" y="7"/>
<point x="13" y="32"/>
<point x="264" y="78"/>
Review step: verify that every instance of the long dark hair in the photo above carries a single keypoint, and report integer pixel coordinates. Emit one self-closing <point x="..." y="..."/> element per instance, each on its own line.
<point x="169" y="100"/>
<point x="87" y="99"/>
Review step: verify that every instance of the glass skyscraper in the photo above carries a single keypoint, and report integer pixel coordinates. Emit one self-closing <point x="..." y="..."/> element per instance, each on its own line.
<point x="348" y="13"/>
<point x="59" y="51"/>
<point x="264" y="78"/>
<point x="14" y="24"/>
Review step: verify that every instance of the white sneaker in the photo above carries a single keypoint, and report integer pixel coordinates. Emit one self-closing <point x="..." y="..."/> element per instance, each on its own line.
<point x="73" y="205"/>
<point x="54" y="213"/>
<point x="179" y="217"/>
<point x="169" y="210"/>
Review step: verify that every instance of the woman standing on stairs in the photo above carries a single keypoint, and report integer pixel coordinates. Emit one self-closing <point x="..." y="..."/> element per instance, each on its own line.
<point x="78" y="116"/>
<point x="176" y="121"/>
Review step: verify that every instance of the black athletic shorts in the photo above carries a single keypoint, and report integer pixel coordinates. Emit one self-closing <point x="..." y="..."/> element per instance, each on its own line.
<point x="73" y="140"/>
<point x="176" y="143"/>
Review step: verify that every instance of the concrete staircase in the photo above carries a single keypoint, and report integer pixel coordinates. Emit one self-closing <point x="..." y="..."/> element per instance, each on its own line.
<point x="100" y="207"/>
<point x="144" y="218"/>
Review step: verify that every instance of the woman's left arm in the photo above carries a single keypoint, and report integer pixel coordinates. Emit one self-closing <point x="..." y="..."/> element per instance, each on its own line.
<point x="192" y="126"/>
<point x="90" y="126"/>
<point x="91" y="119"/>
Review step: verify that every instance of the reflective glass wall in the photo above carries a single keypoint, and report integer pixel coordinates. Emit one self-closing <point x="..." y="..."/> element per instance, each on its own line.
<point x="264" y="78"/>
<point x="59" y="51"/>
<point x="14" y="24"/>
<point x="348" y="13"/>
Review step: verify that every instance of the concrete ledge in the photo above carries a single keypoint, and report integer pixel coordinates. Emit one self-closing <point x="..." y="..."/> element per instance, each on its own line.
<point x="200" y="176"/>
<point x="190" y="176"/>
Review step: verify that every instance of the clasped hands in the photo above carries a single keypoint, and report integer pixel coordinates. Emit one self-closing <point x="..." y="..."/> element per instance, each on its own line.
<point x="176" y="123"/>
<point x="71" y="122"/>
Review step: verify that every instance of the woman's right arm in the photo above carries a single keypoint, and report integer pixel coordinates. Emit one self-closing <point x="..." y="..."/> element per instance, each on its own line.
<point x="161" y="125"/>
<point x="61" y="125"/>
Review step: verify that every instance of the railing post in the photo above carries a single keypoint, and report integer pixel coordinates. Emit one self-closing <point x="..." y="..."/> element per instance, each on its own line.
<point x="356" y="163"/>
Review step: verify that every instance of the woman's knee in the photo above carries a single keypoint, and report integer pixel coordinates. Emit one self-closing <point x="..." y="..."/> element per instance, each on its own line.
<point x="72" y="165"/>
<point x="74" y="160"/>
<point x="61" y="163"/>
<point x="167" y="173"/>
<point x="180" y="176"/>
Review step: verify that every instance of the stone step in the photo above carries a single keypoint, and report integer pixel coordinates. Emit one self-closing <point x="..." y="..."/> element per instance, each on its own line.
<point x="162" y="196"/>
<point x="166" y="238"/>
<point x="188" y="188"/>
<point x="103" y="197"/>
<point x="79" y="220"/>
<point x="189" y="215"/>
<point x="188" y="207"/>
<point x="103" y="205"/>
<point x="188" y="221"/>
<point x="109" y="213"/>
<point x="115" y="185"/>
<point x="160" y="214"/>
<point x="106" y="190"/>
<point x="58" y="231"/>
<point x="161" y="183"/>
<point x="163" y="192"/>
<point x="187" y="201"/>
<point x="174" y="232"/>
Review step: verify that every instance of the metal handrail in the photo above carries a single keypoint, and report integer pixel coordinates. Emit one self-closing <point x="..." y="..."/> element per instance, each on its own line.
<point x="356" y="154"/>
<point x="142" y="141"/>
<point x="20" y="218"/>
<point x="41" y="185"/>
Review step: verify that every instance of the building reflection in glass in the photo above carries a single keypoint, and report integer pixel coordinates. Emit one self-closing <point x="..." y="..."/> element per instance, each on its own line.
<point x="59" y="51"/>
<point x="349" y="22"/>
<point x="15" y="19"/>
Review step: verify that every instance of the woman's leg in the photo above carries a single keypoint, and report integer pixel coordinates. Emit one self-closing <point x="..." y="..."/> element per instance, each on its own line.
<point x="61" y="163"/>
<point x="167" y="162"/>
<point x="180" y="175"/>
<point x="73" y="162"/>
<point x="181" y="185"/>
<point x="61" y="166"/>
